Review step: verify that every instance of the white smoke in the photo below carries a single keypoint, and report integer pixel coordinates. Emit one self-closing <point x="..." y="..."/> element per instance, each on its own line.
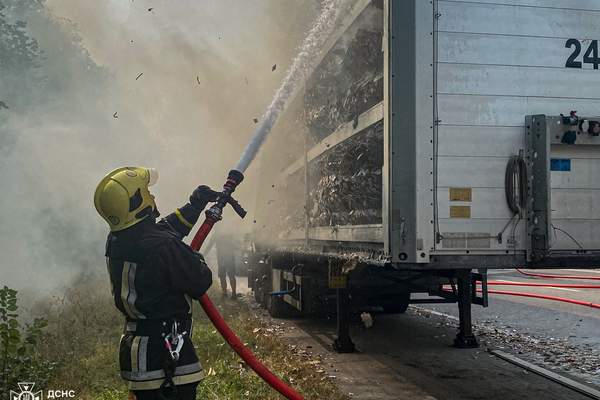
<point x="206" y="74"/>
<point x="301" y="68"/>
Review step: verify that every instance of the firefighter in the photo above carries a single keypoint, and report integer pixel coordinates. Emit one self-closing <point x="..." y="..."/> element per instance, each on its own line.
<point x="226" y="264"/>
<point x="154" y="277"/>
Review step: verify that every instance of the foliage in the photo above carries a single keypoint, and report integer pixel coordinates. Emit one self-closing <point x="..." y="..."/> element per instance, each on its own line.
<point x="17" y="49"/>
<point x="94" y="372"/>
<point x="18" y="346"/>
<point x="77" y="347"/>
<point x="82" y="337"/>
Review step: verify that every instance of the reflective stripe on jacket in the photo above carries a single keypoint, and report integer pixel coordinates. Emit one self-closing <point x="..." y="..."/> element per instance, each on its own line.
<point x="154" y="277"/>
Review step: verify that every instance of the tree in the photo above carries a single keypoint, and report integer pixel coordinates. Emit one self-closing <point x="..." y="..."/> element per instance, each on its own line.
<point x="18" y="50"/>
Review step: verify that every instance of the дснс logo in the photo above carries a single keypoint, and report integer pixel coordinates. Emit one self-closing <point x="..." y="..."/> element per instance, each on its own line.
<point x="26" y="392"/>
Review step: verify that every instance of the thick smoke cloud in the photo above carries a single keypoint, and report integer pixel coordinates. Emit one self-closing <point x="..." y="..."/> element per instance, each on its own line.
<point x="173" y="85"/>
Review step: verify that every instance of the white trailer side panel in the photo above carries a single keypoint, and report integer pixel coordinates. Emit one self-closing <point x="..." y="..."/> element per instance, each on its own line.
<point x="498" y="61"/>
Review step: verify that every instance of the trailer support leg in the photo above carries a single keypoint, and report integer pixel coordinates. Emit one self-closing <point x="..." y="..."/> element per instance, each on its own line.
<point x="343" y="343"/>
<point x="465" y="339"/>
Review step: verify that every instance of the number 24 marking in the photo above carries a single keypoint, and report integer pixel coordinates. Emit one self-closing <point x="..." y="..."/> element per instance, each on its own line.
<point x="590" y="56"/>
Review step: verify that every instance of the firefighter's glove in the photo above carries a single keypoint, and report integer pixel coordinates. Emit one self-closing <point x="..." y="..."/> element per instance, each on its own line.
<point x="202" y="196"/>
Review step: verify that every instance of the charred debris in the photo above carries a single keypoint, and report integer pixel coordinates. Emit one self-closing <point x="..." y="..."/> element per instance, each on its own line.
<point x="345" y="182"/>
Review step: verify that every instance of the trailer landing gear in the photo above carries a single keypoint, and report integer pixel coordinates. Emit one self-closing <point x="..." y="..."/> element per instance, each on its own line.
<point x="343" y="343"/>
<point x="465" y="339"/>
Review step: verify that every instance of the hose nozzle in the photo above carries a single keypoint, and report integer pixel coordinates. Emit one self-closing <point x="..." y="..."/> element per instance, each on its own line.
<point x="235" y="177"/>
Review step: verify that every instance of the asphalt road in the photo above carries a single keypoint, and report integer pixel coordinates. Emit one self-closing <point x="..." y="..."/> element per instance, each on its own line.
<point x="578" y="324"/>
<point x="409" y="356"/>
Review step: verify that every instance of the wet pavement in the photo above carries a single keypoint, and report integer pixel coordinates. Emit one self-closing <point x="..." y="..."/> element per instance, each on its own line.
<point x="410" y="356"/>
<point x="559" y="336"/>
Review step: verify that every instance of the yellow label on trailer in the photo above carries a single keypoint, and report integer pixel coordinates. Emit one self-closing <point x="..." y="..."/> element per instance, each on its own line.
<point x="338" y="282"/>
<point x="460" y="212"/>
<point x="461" y="194"/>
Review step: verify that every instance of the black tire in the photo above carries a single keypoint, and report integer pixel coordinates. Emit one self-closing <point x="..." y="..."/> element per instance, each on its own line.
<point x="398" y="305"/>
<point x="258" y="280"/>
<point x="278" y="308"/>
<point x="261" y="293"/>
<point x="257" y="295"/>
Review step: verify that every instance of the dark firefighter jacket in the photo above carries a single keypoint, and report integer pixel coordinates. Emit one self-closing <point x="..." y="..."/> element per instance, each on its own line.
<point x="154" y="277"/>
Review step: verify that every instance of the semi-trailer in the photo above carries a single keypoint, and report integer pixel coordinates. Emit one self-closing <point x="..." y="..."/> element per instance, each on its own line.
<point x="434" y="141"/>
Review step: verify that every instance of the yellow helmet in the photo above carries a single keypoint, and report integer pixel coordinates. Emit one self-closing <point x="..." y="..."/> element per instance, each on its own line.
<point x="122" y="197"/>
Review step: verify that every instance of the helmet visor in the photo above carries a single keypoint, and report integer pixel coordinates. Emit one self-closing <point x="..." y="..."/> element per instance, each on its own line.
<point x="153" y="173"/>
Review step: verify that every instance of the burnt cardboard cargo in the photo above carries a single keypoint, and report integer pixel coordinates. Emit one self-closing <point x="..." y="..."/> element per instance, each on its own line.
<point x="348" y="82"/>
<point x="344" y="186"/>
<point x="345" y="183"/>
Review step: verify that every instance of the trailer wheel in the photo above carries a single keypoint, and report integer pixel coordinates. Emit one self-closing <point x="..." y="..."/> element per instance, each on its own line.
<point x="398" y="305"/>
<point x="261" y="291"/>
<point x="279" y="308"/>
<point x="258" y="295"/>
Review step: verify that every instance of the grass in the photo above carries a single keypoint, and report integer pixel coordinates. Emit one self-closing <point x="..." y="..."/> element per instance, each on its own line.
<point x="84" y="332"/>
<point x="229" y="378"/>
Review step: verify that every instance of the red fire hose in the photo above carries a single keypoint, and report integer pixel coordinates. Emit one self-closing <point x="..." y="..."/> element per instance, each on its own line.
<point x="537" y="296"/>
<point x="540" y="296"/>
<point x="551" y="276"/>
<point x="246" y="355"/>
<point x="544" y="297"/>
<point x="213" y="215"/>
<point x="560" y="285"/>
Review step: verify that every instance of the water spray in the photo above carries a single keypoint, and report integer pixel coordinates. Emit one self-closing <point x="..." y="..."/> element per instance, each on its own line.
<point x="301" y="68"/>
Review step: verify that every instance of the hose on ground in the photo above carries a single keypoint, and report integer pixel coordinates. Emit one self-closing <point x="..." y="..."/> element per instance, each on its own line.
<point x="544" y="297"/>
<point x="552" y="276"/>
<point x="540" y="296"/>
<point x="230" y="337"/>
<point x="550" y="285"/>
<point x="246" y="355"/>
